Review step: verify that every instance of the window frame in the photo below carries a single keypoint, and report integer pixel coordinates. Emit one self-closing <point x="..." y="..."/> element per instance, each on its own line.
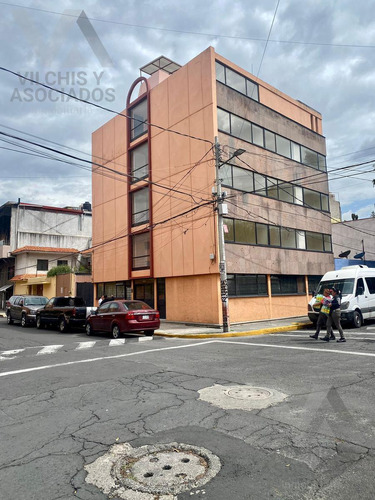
<point x="249" y="89"/>
<point x="234" y="278"/>
<point x="142" y="123"/>
<point x="320" y="163"/>
<point x="145" y="211"/>
<point x="133" y="170"/>
<point x="146" y="256"/>
<point x="300" y="235"/>
<point x="40" y="266"/>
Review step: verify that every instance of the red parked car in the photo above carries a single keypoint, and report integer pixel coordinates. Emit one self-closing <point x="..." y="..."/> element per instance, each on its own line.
<point x="120" y="316"/>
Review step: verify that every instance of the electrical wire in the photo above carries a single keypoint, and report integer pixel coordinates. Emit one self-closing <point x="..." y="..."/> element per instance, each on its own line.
<point x="144" y="122"/>
<point x="196" y="33"/>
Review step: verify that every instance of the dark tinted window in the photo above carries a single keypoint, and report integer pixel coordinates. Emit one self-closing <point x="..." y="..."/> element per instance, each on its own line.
<point x="361" y="285"/>
<point x="287" y="285"/>
<point x="135" y="306"/>
<point x="78" y="302"/>
<point x="247" y="284"/>
<point x="42" y="265"/>
<point x="370" y="284"/>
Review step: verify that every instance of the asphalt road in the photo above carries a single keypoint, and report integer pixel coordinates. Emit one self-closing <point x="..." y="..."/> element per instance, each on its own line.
<point x="66" y="399"/>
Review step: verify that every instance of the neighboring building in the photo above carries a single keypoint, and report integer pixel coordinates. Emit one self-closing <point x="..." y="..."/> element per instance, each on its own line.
<point x="335" y="208"/>
<point x="38" y="238"/>
<point x="6" y="273"/>
<point x="154" y="225"/>
<point x="354" y="238"/>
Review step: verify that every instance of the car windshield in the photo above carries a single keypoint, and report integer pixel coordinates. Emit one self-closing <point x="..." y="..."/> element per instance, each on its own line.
<point x="345" y="285"/>
<point x="134" y="306"/>
<point x="35" y="301"/>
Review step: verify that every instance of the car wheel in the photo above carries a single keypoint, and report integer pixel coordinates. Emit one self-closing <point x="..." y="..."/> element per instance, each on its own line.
<point x="23" y="320"/>
<point x="89" y="330"/>
<point x="116" y="334"/>
<point x="9" y="319"/>
<point x="63" y="327"/>
<point x="357" y="319"/>
<point x="39" y="323"/>
<point x="149" y="333"/>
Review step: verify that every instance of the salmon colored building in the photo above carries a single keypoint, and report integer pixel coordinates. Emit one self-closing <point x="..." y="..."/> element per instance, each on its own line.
<point x="155" y="227"/>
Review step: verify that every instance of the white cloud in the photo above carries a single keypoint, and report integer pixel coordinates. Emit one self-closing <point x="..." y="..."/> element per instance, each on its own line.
<point x="337" y="81"/>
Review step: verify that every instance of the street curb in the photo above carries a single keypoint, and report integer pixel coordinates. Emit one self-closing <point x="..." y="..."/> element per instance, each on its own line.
<point x="262" y="331"/>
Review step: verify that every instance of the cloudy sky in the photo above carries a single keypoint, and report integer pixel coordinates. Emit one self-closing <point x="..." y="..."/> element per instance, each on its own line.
<point x="321" y="52"/>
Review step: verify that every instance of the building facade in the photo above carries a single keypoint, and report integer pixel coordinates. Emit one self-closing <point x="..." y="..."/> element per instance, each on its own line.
<point x="155" y="232"/>
<point x="354" y="242"/>
<point x="37" y="238"/>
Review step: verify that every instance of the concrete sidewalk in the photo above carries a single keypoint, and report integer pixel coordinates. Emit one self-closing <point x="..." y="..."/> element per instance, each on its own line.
<point x="194" y="331"/>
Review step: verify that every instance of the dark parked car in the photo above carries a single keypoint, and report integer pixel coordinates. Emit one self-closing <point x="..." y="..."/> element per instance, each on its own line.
<point x="120" y="316"/>
<point x="63" y="312"/>
<point x="23" y="308"/>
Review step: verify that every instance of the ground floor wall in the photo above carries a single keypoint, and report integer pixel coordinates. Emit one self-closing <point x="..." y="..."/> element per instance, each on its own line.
<point x="262" y="308"/>
<point x="46" y="289"/>
<point x="193" y="299"/>
<point x="197" y="299"/>
<point x="63" y="284"/>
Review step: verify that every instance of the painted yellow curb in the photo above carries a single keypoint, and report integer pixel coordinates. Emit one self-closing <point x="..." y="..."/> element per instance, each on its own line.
<point x="262" y="331"/>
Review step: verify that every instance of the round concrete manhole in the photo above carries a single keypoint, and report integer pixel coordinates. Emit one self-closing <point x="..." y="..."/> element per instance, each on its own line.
<point x="155" y="471"/>
<point x="241" y="397"/>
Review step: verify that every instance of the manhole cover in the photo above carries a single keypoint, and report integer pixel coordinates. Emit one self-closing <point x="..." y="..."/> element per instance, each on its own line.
<point x="166" y="469"/>
<point x="254" y="393"/>
<point x="241" y="397"/>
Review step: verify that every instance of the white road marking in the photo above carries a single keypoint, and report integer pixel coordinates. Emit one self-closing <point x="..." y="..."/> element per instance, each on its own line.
<point x="13" y="351"/>
<point x="116" y="342"/>
<point x="11" y="357"/>
<point x="103" y="358"/>
<point x="299" y="348"/>
<point x="50" y="349"/>
<point x="85" y="345"/>
<point x="348" y="337"/>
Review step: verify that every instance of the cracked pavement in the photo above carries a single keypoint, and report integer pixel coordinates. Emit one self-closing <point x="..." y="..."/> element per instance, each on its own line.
<point x="318" y="443"/>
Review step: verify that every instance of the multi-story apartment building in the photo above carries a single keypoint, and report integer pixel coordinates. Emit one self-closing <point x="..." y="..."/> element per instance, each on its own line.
<point x="34" y="239"/>
<point x="155" y="232"/>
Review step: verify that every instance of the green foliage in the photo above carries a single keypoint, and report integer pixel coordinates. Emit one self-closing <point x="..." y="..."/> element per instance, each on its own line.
<point x="59" y="270"/>
<point x="84" y="269"/>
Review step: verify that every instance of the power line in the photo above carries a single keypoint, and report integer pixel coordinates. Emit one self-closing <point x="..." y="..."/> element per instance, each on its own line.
<point x="266" y="44"/>
<point x="95" y="163"/>
<point x="104" y="108"/>
<point x="197" y="33"/>
<point x="294" y="197"/>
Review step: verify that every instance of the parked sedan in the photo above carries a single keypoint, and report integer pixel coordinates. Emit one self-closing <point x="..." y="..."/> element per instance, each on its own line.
<point x="120" y="316"/>
<point x="23" y="308"/>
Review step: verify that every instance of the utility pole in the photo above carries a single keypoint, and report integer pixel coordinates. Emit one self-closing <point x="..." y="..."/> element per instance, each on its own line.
<point x="222" y="209"/>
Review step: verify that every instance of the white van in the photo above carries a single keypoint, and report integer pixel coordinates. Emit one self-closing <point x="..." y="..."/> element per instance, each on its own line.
<point x="357" y="285"/>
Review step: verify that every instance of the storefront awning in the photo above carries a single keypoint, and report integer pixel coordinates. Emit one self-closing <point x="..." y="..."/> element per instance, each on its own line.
<point x="5" y="287"/>
<point x="42" y="280"/>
